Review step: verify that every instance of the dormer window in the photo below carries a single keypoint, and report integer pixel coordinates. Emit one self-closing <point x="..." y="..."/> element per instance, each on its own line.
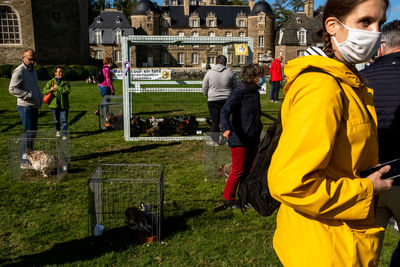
<point x="118" y="20"/>
<point x="298" y="20"/>
<point x="98" y="37"/>
<point x="98" y="19"/>
<point x="165" y="20"/>
<point x="301" y="36"/>
<point x="194" y="20"/>
<point x="174" y="2"/>
<point x="280" y="36"/>
<point x="261" y="19"/>
<point x="211" y="20"/>
<point x="241" y="20"/>
<point x="117" y="36"/>
<point x="193" y="2"/>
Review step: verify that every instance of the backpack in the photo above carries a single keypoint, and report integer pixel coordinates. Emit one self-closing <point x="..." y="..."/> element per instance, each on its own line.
<point x="253" y="189"/>
<point x="99" y="76"/>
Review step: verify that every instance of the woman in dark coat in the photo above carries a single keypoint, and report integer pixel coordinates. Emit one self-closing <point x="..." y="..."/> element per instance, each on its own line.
<point x="241" y="126"/>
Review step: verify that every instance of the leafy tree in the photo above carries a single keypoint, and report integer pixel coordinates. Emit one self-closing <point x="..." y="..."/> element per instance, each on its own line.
<point x="283" y="9"/>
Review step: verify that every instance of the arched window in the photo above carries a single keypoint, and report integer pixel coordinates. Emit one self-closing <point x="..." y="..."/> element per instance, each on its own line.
<point x="9" y="26"/>
<point x="301" y="35"/>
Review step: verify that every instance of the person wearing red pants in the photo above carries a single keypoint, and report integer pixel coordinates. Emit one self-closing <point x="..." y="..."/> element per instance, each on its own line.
<point x="241" y="126"/>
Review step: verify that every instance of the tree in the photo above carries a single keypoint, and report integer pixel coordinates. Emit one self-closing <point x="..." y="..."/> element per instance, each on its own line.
<point x="283" y="9"/>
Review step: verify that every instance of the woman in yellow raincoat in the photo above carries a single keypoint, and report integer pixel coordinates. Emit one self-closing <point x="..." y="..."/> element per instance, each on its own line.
<point x="329" y="135"/>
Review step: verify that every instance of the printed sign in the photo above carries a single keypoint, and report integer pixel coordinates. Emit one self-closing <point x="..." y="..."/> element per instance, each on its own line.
<point x="150" y="74"/>
<point x="241" y="50"/>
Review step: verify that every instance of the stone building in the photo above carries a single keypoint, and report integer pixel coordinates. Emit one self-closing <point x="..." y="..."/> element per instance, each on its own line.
<point x="201" y="18"/>
<point x="105" y="34"/>
<point x="298" y="33"/>
<point x="56" y="30"/>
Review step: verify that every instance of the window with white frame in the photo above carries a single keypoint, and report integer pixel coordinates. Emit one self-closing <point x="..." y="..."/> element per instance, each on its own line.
<point x="261" y="18"/>
<point x="195" y="23"/>
<point x="181" y="34"/>
<point x="241" y="59"/>
<point x="260" y="55"/>
<point x="195" y="58"/>
<point x="212" y="23"/>
<point x="260" y="41"/>
<point x="181" y="58"/>
<point x="300" y="53"/>
<point x="242" y="34"/>
<point x="301" y="35"/>
<point x="280" y="36"/>
<point x="195" y="34"/>
<point x="117" y="36"/>
<point x="117" y="56"/>
<point x="9" y="26"/>
<point x="241" y="23"/>
<point x="228" y="34"/>
<point x="211" y="60"/>
<point x="211" y="34"/>
<point x="98" y="54"/>
<point x="229" y="58"/>
<point x="98" y="37"/>
<point x="174" y="2"/>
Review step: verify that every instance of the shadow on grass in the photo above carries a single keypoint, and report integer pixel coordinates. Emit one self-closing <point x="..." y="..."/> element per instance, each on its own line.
<point x="77" y="117"/>
<point x="85" y="133"/>
<point x="132" y="149"/>
<point x="89" y="248"/>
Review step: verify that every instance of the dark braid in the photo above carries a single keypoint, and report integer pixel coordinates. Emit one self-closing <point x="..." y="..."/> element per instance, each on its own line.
<point x="326" y="38"/>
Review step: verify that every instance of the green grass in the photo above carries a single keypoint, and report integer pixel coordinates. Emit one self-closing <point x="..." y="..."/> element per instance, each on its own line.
<point x="46" y="222"/>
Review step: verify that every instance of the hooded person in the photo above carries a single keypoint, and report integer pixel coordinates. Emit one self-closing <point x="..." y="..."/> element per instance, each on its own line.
<point x="327" y="211"/>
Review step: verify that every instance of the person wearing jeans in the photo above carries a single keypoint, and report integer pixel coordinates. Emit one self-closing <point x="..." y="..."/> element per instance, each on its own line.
<point x="276" y="77"/>
<point x="25" y="86"/>
<point x="59" y="104"/>
<point x="106" y="87"/>
<point x="217" y="85"/>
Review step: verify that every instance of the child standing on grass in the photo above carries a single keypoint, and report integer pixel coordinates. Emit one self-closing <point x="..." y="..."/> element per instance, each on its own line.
<point x="60" y="103"/>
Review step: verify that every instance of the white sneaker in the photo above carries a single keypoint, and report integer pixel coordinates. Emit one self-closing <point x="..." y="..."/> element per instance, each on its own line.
<point x="58" y="134"/>
<point x="64" y="137"/>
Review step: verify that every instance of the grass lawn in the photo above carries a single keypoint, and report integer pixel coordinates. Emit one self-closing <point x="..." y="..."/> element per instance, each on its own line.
<point x="46" y="223"/>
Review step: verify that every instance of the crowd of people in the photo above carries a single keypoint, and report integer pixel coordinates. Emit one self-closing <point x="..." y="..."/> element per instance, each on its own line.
<point x="337" y="121"/>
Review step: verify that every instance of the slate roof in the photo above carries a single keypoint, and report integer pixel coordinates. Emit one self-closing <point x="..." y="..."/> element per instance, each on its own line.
<point x="108" y="24"/>
<point x="294" y="24"/>
<point x="226" y="14"/>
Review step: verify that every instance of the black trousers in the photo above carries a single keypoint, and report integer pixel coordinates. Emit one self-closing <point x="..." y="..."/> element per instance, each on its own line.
<point x="214" y="108"/>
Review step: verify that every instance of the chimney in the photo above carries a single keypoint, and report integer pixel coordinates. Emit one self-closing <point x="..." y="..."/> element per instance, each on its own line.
<point x="309" y="8"/>
<point x="251" y="4"/>
<point x="186" y="7"/>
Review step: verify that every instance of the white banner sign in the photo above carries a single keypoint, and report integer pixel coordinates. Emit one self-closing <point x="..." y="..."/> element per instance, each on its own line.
<point x="150" y="74"/>
<point x="144" y="74"/>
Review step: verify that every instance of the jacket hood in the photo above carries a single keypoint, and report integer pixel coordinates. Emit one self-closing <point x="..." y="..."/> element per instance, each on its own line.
<point x="294" y="67"/>
<point x="218" y="67"/>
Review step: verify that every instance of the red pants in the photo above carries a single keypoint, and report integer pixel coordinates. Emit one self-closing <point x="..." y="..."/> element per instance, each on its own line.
<point x="242" y="163"/>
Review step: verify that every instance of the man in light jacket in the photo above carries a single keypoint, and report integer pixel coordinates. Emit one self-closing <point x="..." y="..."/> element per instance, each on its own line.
<point x="25" y="86"/>
<point x="218" y="84"/>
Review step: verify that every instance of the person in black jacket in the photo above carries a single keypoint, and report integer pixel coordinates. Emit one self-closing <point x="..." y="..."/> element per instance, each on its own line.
<point x="241" y="126"/>
<point x="384" y="77"/>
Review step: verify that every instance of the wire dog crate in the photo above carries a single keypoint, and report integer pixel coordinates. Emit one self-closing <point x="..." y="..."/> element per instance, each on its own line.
<point x="128" y="197"/>
<point x="216" y="157"/>
<point x="35" y="155"/>
<point x="111" y="113"/>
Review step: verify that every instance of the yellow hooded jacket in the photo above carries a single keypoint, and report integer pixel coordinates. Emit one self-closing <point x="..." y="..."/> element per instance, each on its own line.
<point x="329" y="135"/>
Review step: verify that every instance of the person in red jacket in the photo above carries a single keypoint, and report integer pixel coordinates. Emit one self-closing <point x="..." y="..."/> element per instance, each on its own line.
<point x="276" y="77"/>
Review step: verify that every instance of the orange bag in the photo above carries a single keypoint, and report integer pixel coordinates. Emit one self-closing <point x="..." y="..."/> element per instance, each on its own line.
<point x="47" y="98"/>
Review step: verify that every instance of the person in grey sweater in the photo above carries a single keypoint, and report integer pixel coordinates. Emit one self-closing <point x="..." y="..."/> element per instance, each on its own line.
<point x="25" y="86"/>
<point x="218" y="84"/>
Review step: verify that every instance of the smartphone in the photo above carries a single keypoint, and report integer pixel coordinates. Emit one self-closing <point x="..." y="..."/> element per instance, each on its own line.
<point x="393" y="173"/>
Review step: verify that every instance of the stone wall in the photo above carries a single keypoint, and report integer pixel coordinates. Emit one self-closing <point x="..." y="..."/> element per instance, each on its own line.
<point x="61" y="31"/>
<point x="12" y="53"/>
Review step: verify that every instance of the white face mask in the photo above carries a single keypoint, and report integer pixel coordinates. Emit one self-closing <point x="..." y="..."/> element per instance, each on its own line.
<point x="359" y="46"/>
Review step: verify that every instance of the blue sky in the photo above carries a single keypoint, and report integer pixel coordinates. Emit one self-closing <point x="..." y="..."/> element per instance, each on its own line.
<point x="394" y="12"/>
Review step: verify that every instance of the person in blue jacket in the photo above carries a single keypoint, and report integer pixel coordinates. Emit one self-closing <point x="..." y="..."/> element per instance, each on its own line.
<point x="241" y="126"/>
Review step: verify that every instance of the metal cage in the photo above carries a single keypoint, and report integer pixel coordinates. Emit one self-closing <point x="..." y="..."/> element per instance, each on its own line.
<point x="35" y="155"/>
<point x="216" y="157"/>
<point x="127" y="199"/>
<point x="111" y="115"/>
